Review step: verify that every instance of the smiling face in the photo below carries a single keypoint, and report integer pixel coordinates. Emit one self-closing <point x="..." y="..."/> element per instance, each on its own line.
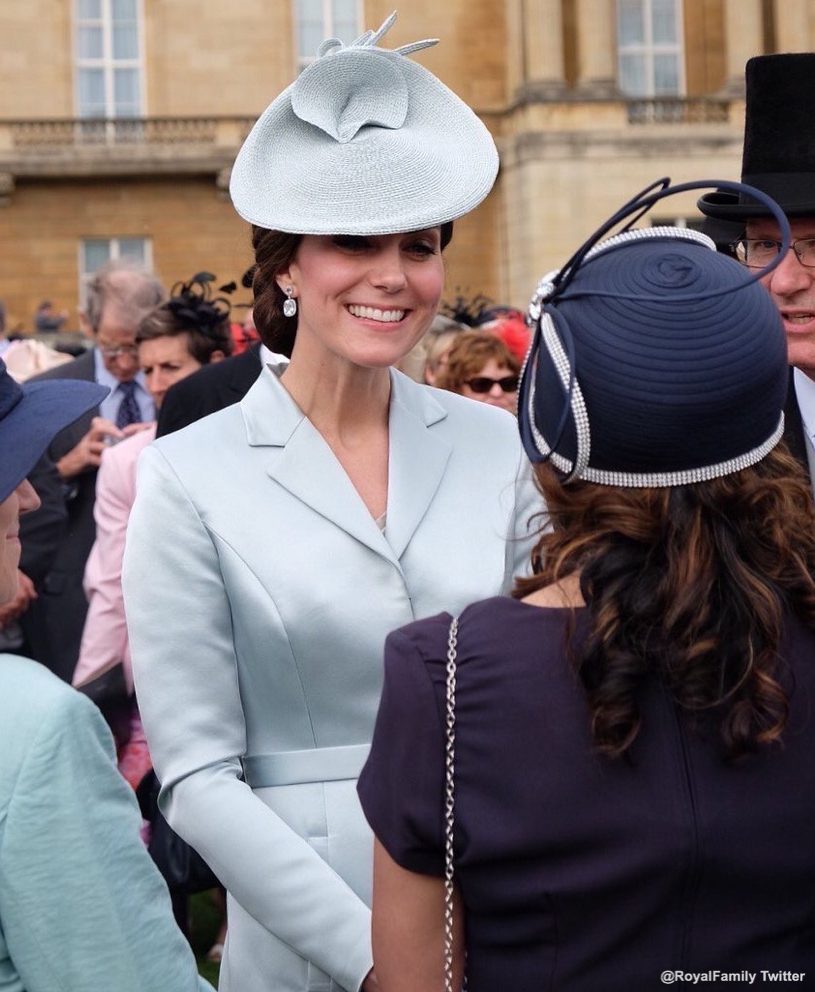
<point x="165" y="361"/>
<point x="792" y="287"/>
<point x="364" y="300"/>
<point x="23" y="499"/>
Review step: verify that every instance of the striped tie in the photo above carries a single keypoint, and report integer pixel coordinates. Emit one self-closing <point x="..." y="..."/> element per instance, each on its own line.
<point x="129" y="412"/>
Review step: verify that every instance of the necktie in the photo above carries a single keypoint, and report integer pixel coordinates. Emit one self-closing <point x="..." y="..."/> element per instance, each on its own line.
<point x="129" y="412"/>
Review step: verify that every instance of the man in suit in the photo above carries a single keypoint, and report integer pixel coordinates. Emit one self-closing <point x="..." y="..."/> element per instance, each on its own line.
<point x="119" y="294"/>
<point x="779" y="159"/>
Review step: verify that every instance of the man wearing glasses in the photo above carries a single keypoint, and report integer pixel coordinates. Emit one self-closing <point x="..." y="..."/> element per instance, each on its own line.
<point x="119" y="294"/>
<point x="779" y="159"/>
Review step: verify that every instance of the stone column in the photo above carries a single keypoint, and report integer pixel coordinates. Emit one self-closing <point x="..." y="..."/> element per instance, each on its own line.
<point x="596" y="48"/>
<point x="792" y="27"/>
<point x="543" y="47"/>
<point x="743" y="37"/>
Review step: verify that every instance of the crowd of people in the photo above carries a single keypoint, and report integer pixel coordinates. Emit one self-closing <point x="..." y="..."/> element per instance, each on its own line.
<point x="443" y="642"/>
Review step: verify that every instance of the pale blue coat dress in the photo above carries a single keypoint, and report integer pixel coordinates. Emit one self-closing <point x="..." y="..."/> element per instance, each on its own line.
<point x="259" y="592"/>
<point x="82" y="907"/>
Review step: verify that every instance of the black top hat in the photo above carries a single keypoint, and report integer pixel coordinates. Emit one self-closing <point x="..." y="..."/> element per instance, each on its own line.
<point x="779" y="139"/>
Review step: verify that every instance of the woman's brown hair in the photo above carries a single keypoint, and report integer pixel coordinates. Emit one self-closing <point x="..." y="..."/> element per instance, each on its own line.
<point x="691" y="583"/>
<point x="274" y="252"/>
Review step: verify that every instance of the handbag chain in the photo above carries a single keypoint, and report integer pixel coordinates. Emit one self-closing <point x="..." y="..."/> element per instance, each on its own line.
<point x="449" y="803"/>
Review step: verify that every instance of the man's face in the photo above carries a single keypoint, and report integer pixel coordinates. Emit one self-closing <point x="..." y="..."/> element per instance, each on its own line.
<point x="116" y="340"/>
<point x="792" y="287"/>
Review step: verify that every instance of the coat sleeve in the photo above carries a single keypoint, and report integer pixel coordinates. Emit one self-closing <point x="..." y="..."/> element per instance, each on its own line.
<point x="186" y="677"/>
<point x="81" y="904"/>
<point x="104" y="637"/>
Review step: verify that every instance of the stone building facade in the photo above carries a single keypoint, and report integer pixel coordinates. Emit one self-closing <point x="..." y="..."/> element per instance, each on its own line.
<point x="119" y="120"/>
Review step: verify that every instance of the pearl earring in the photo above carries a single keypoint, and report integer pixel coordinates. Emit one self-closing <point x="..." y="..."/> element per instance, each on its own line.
<point x="290" y="306"/>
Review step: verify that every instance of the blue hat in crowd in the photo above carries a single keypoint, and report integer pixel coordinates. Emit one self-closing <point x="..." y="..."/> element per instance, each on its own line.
<point x="655" y="360"/>
<point x="30" y="416"/>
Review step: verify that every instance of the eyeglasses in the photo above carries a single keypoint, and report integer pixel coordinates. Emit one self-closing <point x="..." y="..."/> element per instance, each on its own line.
<point x="120" y="351"/>
<point x="483" y="383"/>
<point x="755" y="253"/>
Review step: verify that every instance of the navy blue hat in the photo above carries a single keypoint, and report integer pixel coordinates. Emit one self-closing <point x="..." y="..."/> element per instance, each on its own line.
<point x="656" y="361"/>
<point x="30" y="416"/>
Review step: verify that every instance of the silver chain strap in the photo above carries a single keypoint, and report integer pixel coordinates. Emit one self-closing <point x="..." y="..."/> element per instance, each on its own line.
<point x="449" y="804"/>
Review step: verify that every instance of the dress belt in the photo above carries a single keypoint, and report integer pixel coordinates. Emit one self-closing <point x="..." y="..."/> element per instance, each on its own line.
<point x="319" y="764"/>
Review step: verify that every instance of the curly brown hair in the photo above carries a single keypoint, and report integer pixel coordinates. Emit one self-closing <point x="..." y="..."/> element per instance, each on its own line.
<point x="274" y="252"/>
<point x="691" y="582"/>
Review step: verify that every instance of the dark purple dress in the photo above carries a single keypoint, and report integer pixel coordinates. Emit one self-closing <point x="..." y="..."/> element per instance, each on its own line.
<point x="578" y="873"/>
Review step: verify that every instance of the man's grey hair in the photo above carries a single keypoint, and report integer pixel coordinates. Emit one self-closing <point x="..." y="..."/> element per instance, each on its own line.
<point x="128" y="286"/>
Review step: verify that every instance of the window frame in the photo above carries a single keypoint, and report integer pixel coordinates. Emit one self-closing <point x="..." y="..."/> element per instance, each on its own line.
<point x="107" y="63"/>
<point x="114" y="254"/>
<point x="302" y="61"/>
<point x="648" y="49"/>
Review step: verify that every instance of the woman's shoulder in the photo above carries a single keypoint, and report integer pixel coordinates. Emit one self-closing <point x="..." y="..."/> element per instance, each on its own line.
<point x="499" y="624"/>
<point x="32" y="699"/>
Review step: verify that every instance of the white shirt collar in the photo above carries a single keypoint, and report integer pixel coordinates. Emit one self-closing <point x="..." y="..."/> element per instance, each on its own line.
<point x="805" y="394"/>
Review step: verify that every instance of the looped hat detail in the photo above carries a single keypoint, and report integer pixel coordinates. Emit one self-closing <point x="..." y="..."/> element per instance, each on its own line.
<point x="654" y="361"/>
<point x="364" y="142"/>
<point x="344" y="96"/>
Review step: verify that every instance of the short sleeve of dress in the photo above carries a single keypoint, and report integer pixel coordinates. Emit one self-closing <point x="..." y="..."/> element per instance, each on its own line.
<point x="401" y="787"/>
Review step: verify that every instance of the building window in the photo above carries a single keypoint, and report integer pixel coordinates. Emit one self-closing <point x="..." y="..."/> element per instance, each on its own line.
<point x="109" y="74"/>
<point x="316" y="20"/>
<point x="650" y="58"/>
<point x="94" y="252"/>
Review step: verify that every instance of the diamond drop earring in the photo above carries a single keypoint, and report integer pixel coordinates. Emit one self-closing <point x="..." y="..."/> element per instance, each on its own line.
<point x="290" y="305"/>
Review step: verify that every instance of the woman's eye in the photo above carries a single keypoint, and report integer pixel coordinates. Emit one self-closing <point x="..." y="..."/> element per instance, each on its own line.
<point x="350" y="242"/>
<point x="422" y="248"/>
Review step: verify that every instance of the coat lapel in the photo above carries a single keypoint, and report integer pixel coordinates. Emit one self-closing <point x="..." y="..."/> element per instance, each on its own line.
<point x="302" y="462"/>
<point x="418" y="458"/>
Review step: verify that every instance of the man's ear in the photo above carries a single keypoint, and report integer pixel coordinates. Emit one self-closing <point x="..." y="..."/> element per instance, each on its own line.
<point x="85" y="326"/>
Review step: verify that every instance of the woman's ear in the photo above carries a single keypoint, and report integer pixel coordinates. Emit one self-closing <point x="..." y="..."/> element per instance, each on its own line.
<point x="284" y="278"/>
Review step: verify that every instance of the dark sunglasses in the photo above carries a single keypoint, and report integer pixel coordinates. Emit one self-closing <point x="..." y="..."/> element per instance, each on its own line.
<point x="483" y="383"/>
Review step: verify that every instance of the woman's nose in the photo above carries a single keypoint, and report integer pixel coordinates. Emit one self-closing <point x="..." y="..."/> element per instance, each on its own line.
<point x="388" y="272"/>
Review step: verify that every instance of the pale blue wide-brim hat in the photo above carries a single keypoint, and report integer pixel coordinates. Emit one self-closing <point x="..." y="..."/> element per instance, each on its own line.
<point x="365" y="141"/>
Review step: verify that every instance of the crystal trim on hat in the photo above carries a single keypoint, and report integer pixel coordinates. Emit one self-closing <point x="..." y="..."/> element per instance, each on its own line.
<point x="685" y="477"/>
<point x="576" y="401"/>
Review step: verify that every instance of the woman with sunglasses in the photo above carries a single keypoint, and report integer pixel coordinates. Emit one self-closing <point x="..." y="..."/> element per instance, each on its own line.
<point x="481" y="367"/>
<point x="273" y="545"/>
<point x="626" y="796"/>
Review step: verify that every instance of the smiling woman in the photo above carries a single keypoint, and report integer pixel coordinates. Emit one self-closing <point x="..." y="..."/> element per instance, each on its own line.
<point x="274" y="545"/>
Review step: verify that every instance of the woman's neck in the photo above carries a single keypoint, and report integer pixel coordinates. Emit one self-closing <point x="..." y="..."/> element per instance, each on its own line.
<point x="562" y="594"/>
<point x="339" y="398"/>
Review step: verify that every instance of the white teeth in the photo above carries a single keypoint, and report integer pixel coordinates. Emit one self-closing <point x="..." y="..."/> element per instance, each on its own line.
<point x="371" y="313"/>
<point x="800" y="318"/>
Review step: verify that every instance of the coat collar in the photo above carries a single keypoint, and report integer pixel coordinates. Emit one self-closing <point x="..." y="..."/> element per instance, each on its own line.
<point x="301" y="461"/>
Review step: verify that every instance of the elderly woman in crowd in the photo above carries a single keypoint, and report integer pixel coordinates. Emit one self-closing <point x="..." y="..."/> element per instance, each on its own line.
<point x="81" y="905"/>
<point x="273" y="545"/>
<point x="481" y="367"/>
<point x="626" y="792"/>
